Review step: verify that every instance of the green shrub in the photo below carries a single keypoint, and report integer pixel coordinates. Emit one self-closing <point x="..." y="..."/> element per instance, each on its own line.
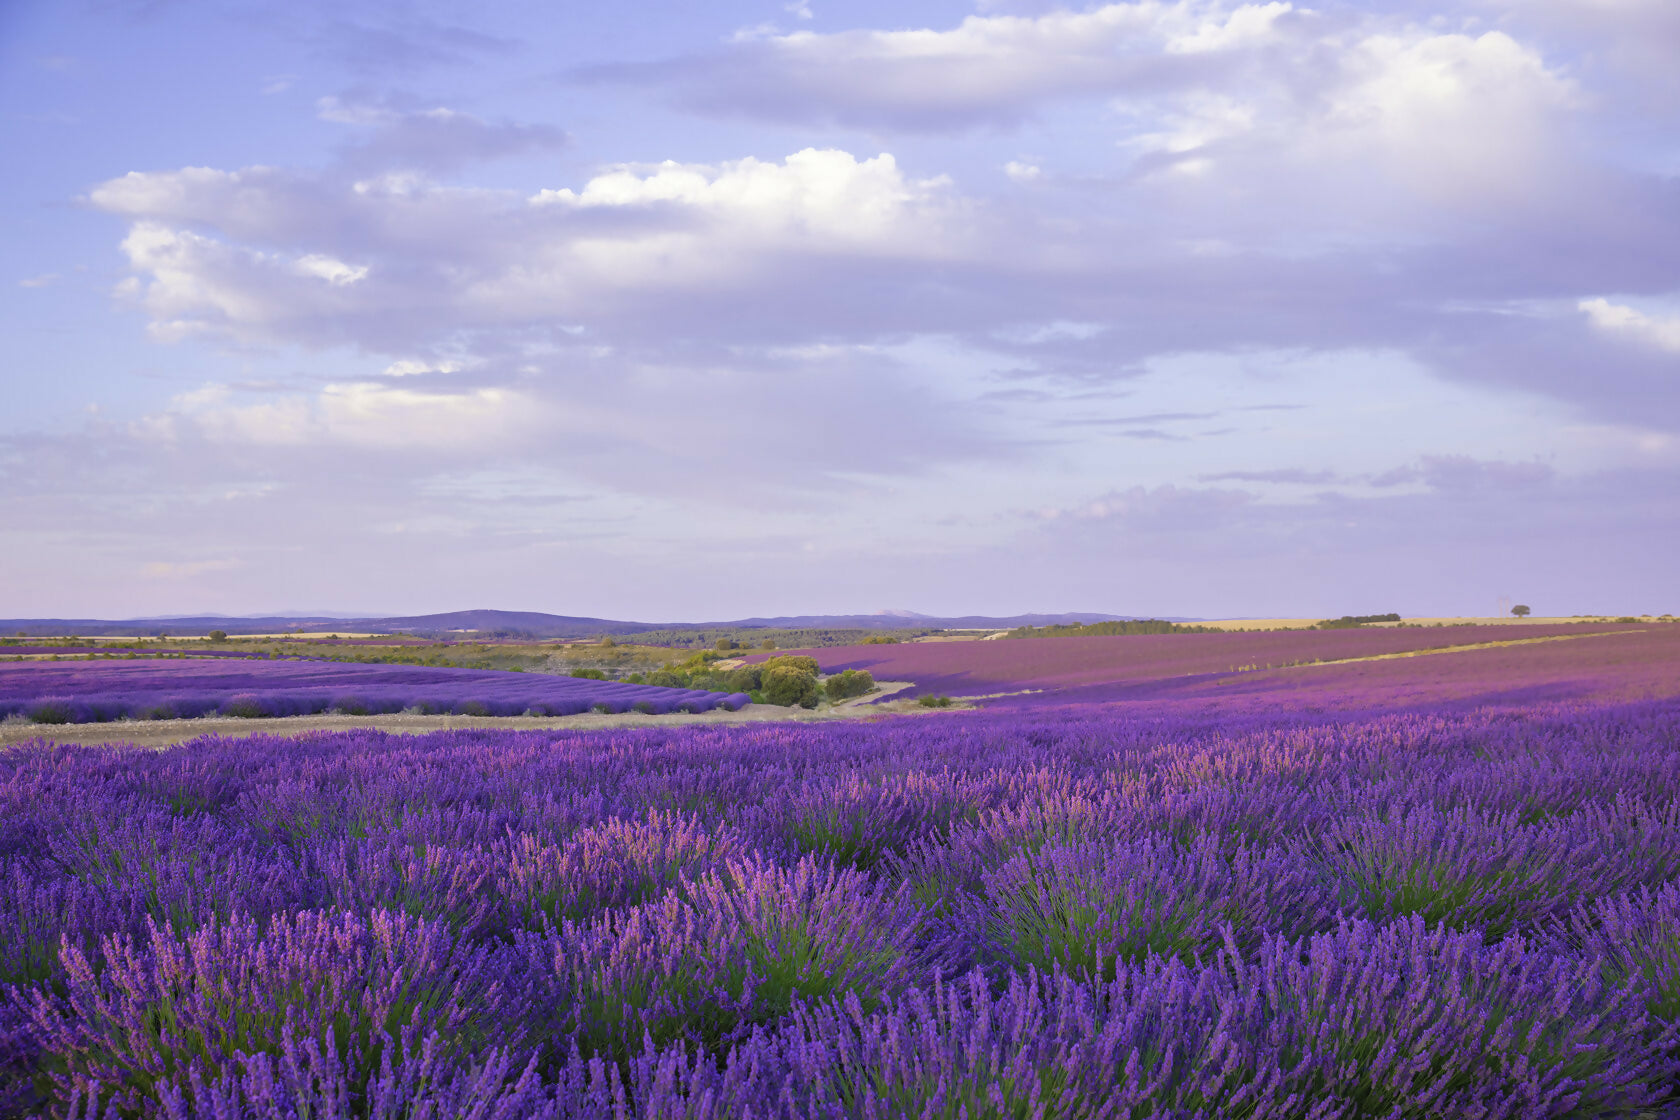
<point x="50" y="711"/>
<point x="589" y="674"/>
<point x="848" y="683"/>
<point x="1354" y="621"/>
<point x="667" y="678"/>
<point x="218" y="635"/>
<point x="788" y="685"/>
<point x="929" y="700"/>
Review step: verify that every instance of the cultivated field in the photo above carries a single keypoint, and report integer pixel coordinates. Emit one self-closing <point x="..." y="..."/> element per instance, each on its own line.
<point x="152" y="688"/>
<point x="1433" y="885"/>
<point x="1349" y="669"/>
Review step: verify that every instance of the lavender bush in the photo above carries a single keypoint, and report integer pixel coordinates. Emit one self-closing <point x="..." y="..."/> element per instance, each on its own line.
<point x="96" y="691"/>
<point x="1078" y="913"/>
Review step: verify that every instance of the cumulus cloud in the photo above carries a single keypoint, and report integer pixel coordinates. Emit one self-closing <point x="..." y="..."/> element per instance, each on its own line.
<point x="191" y="283"/>
<point x="391" y="263"/>
<point x="822" y="199"/>
<point x="1628" y="45"/>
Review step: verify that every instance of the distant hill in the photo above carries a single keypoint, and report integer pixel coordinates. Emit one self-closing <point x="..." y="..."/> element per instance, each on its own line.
<point x="525" y="624"/>
<point x="533" y="623"/>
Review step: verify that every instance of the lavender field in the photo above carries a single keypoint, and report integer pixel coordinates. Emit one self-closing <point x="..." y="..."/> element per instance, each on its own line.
<point x="1460" y="667"/>
<point x="1076" y="913"/>
<point x="97" y="690"/>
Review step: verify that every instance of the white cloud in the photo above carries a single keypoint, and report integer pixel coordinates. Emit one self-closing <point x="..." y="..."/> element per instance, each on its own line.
<point x="826" y="197"/>
<point x="334" y="272"/>
<point x="1448" y="113"/>
<point x="251" y="253"/>
<point x="1249" y="25"/>
<point x="44" y="280"/>
<point x="195" y="284"/>
<point x="1022" y="172"/>
<point x="1627" y="322"/>
<point x="408" y="367"/>
<point x="169" y="192"/>
<point x="366" y="415"/>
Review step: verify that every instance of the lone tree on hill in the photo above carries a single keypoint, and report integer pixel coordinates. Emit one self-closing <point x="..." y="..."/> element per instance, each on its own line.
<point x="1520" y="610"/>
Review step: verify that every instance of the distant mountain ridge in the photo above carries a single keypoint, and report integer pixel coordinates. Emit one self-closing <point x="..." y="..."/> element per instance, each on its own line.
<point x="534" y="624"/>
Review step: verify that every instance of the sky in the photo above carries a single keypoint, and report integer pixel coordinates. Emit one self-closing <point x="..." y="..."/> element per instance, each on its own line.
<point x="680" y="312"/>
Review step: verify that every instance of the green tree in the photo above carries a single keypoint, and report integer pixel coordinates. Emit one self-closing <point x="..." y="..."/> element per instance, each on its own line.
<point x="218" y="635"/>
<point x="744" y="679"/>
<point x="1521" y="610"/>
<point x="799" y="661"/>
<point x="848" y="683"/>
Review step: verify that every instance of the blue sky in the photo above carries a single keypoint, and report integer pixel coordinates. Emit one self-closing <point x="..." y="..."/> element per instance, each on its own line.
<point x="676" y="311"/>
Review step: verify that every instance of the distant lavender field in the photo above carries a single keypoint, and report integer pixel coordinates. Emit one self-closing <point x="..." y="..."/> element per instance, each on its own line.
<point x="1268" y="670"/>
<point x="97" y="690"/>
<point x="1090" y="913"/>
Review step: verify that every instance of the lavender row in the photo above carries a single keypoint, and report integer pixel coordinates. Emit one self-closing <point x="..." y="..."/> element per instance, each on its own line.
<point x="987" y="914"/>
<point x="81" y="692"/>
<point x="390" y="1016"/>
